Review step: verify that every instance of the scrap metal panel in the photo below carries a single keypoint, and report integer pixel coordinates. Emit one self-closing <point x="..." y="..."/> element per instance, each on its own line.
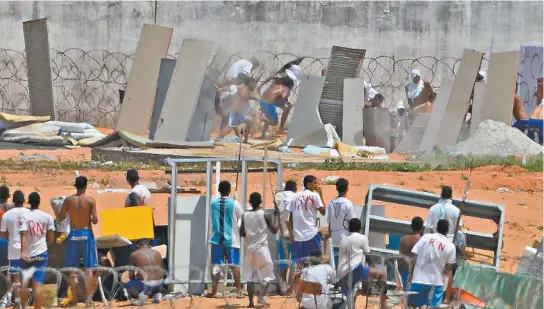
<point x="165" y="75"/>
<point x="40" y="83"/>
<point x="343" y="63"/>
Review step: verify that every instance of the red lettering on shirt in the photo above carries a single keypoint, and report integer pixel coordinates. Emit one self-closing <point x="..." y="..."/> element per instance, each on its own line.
<point x="441" y="246"/>
<point x="36" y="228"/>
<point x="431" y="242"/>
<point x="305" y="203"/>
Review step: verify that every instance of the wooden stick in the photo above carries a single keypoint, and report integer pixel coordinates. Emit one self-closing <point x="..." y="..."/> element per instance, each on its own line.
<point x="265" y="174"/>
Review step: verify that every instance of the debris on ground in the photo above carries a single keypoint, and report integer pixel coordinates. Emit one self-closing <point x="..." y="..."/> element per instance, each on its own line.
<point x="494" y="138"/>
<point x="504" y="190"/>
<point x="38" y="157"/>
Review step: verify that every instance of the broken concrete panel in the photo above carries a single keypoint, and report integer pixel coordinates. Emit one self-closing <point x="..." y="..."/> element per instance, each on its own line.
<point x="137" y="107"/>
<point x="181" y="101"/>
<point x="437" y="115"/>
<point x="352" y="121"/>
<point x="317" y="137"/>
<point x="306" y="119"/>
<point x="460" y="95"/>
<point x="38" y="65"/>
<point x="165" y="75"/>
<point x="412" y="139"/>
<point x="201" y="123"/>
<point x="501" y="87"/>
<point x="478" y="106"/>
<point x="377" y="127"/>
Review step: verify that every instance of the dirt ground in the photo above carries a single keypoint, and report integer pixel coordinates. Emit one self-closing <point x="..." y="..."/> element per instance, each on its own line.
<point x="523" y="223"/>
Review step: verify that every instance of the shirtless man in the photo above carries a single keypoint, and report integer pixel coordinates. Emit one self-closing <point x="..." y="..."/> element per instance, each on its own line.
<point x="407" y="243"/>
<point x="240" y="111"/>
<point x="518" y="110"/>
<point x="276" y="95"/>
<point x="80" y="244"/>
<point x="143" y="258"/>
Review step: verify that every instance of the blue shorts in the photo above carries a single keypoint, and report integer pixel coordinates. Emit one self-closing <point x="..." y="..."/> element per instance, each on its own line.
<point x="236" y="119"/>
<point x="428" y="295"/>
<point x="358" y="274"/>
<point x="281" y="254"/>
<point x="135" y="287"/>
<point x="335" y="252"/>
<point x="302" y="249"/>
<point x="40" y="263"/>
<point x="81" y="244"/>
<point x="404" y="275"/>
<point x="225" y="255"/>
<point x="269" y="110"/>
<point x="15" y="266"/>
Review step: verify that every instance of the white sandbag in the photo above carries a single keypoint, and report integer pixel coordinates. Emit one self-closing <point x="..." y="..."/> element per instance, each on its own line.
<point x="36" y="139"/>
<point x="71" y="127"/>
<point x="64" y="225"/>
<point x="87" y="134"/>
<point x="332" y="136"/>
<point x="371" y="149"/>
<point x="33" y="129"/>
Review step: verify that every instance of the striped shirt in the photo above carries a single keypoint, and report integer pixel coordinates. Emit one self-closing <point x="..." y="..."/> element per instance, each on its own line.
<point x="226" y="218"/>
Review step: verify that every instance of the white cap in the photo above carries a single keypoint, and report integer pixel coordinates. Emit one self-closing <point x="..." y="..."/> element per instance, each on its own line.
<point x="372" y="93"/>
<point x="400" y="105"/>
<point x="294" y="72"/>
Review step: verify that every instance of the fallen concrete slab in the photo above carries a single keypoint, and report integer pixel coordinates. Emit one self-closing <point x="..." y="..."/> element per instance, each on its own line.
<point x="478" y="106"/>
<point x="352" y="121"/>
<point x="137" y="107"/>
<point x="437" y="115"/>
<point x="377" y="127"/>
<point x="414" y="135"/>
<point x="181" y="101"/>
<point x="38" y="66"/>
<point x="165" y="76"/>
<point x="305" y="119"/>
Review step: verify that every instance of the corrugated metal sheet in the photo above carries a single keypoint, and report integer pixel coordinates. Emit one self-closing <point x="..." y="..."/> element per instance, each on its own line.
<point x="343" y="63"/>
<point x="40" y="84"/>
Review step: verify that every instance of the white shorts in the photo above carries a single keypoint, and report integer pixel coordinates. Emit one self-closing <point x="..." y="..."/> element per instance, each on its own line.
<point x="258" y="266"/>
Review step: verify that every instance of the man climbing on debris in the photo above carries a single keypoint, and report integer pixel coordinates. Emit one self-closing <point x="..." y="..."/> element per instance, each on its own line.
<point x="240" y="111"/>
<point x="225" y="243"/>
<point x="407" y="243"/>
<point x="133" y="180"/>
<point x="435" y="256"/>
<point x="276" y="96"/>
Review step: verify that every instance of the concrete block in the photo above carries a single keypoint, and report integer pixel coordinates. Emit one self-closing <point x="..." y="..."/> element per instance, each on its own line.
<point x="191" y="250"/>
<point x="181" y="101"/>
<point x="412" y="139"/>
<point x="352" y="121"/>
<point x="165" y="75"/>
<point x="201" y="122"/>
<point x="306" y="127"/>
<point x="137" y="107"/>
<point x="437" y="115"/>
<point x="377" y="127"/>
<point x="38" y="65"/>
<point x="457" y="107"/>
<point x="501" y="87"/>
<point x="478" y="106"/>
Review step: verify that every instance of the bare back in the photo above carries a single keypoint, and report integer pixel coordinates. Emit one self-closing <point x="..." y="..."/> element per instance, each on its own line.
<point x="82" y="211"/>
<point x="407" y="243"/>
<point x="147" y="257"/>
<point x="274" y="93"/>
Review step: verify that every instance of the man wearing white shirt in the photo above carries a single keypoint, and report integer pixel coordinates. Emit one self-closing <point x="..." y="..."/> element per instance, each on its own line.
<point x="283" y="199"/>
<point x="133" y="180"/>
<point x="9" y="228"/>
<point x="444" y="209"/>
<point x="435" y="255"/>
<point x="339" y="212"/>
<point x="352" y="267"/>
<point x="36" y="230"/>
<point x="303" y="229"/>
<point x="317" y="272"/>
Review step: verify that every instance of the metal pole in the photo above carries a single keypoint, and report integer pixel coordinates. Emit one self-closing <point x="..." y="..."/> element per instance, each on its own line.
<point x="172" y="219"/>
<point x="208" y="217"/>
<point x="243" y="190"/>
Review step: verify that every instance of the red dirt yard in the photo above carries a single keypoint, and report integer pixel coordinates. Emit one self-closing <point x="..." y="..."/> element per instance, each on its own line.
<point x="523" y="223"/>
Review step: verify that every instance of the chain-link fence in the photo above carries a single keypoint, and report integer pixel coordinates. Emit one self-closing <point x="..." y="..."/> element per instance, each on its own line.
<point x="87" y="82"/>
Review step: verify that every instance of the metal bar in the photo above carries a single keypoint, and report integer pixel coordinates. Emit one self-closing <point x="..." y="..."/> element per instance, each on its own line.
<point x="172" y="218"/>
<point x="208" y="217"/>
<point x="243" y="191"/>
<point x="279" y="177"/>
<point x="198" y="160"/>
<point x="225" y="170"/>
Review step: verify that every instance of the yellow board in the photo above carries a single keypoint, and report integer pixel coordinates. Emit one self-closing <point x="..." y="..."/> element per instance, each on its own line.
<point x="132" y="223"/>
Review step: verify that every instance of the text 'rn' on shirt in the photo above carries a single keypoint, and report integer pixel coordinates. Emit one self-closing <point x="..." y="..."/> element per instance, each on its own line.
<point x="303" y="207"/>
<point x="433" y="252"/>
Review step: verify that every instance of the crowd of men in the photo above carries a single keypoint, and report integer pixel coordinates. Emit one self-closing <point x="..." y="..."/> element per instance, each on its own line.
<point x="430" y="247"/>
<point x="29" y="232"/>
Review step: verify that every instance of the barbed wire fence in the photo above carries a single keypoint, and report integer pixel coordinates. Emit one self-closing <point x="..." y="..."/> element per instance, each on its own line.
<point x="86" y="83"/>
<point x="113" y="291"/>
